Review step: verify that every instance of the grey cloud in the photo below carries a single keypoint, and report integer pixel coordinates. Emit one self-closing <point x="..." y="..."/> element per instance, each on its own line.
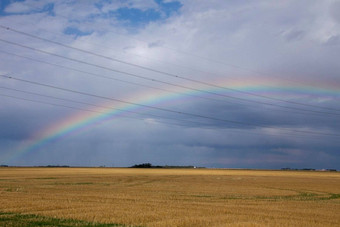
<point x="333" y="40"/>
<point x="334" y="9"/>
<point x="294" y="35"/>
<point x="235" y="44"/>
<point x="155" y="44"/>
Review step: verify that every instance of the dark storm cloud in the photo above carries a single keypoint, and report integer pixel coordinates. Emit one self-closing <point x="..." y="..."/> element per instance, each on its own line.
<point x="271" y="45"/>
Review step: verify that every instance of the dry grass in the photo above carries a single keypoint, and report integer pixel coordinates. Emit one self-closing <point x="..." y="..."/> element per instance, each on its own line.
<point x="174" y="197"/>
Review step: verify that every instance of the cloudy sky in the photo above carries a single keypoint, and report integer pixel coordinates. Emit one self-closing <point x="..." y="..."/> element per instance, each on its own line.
<point x="228" y="84"/>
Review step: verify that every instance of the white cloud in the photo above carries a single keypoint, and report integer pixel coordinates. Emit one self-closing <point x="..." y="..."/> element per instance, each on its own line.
<point x="18" y="7"/>
<point x="27" y="6"/>
<point x="137" y="4"/>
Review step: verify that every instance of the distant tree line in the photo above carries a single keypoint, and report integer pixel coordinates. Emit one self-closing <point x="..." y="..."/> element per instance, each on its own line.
<point x="309" y="169"/>
<point x="48" y="166"/>
<point x="145" y="165"/>
<point x="55" y="166"/>
<point x="149" y="165"/>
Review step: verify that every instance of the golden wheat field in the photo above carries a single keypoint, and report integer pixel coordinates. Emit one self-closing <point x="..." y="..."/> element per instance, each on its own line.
<point x="171" y="197"/>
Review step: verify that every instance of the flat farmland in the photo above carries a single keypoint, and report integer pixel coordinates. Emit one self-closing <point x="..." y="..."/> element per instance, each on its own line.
<point x="168" y="197"/>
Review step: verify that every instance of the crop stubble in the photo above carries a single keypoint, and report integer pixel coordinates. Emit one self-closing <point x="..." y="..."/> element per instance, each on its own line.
<point x="174" y="197"/>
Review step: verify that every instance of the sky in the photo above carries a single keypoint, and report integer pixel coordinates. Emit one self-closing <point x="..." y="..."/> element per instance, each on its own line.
<point x="218" y="84"/>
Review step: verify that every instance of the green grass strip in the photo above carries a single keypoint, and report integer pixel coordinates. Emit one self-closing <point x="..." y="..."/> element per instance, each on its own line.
<point x="30" y="220"/>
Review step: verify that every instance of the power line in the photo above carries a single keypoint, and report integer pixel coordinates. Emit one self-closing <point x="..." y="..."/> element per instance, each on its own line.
<point x="111" y="78"/>
<point x="158" y="120"/>
<point x="161" y="72"/>
<point x="316" y="113"/>
<point x="159" y="60"/>
<point x="181" y="52"/>
<point x="171" y="48"/>
<point x="94" y="111"/>
<point x="168" y="110"/>
<point x="89" y="104"/>
<point x="167" y="83"/>
<point x="197" y="124"/>
<point x="48" y="103"/>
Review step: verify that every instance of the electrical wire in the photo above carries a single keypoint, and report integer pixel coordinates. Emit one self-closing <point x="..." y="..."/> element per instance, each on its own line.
<point x="299" y="111"/>
<point x="163" y="82"/>
<point x="111" y="78"/>
<point x="90" y="104"/>
<point x="168" y="110"/>
<point x="159" y="71"/>
<point x="190" y="125"/>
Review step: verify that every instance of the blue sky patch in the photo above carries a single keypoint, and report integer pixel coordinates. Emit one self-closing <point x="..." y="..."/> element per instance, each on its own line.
<point x="4" y="4"/>
<point x="133" y="17"/>
<point x="169" y="7"/>
<point x="75" y="31"/>
<point x="137" y="17"/>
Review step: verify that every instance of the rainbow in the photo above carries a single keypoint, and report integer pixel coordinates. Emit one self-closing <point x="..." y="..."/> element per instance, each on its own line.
<point x="85" y="119"/>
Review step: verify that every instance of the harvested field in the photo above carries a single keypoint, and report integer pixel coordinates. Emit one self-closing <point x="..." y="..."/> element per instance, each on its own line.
<point x="168" y="197"/>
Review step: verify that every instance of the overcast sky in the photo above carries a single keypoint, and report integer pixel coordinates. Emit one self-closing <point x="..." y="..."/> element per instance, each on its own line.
<point x="227" y="84"/>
